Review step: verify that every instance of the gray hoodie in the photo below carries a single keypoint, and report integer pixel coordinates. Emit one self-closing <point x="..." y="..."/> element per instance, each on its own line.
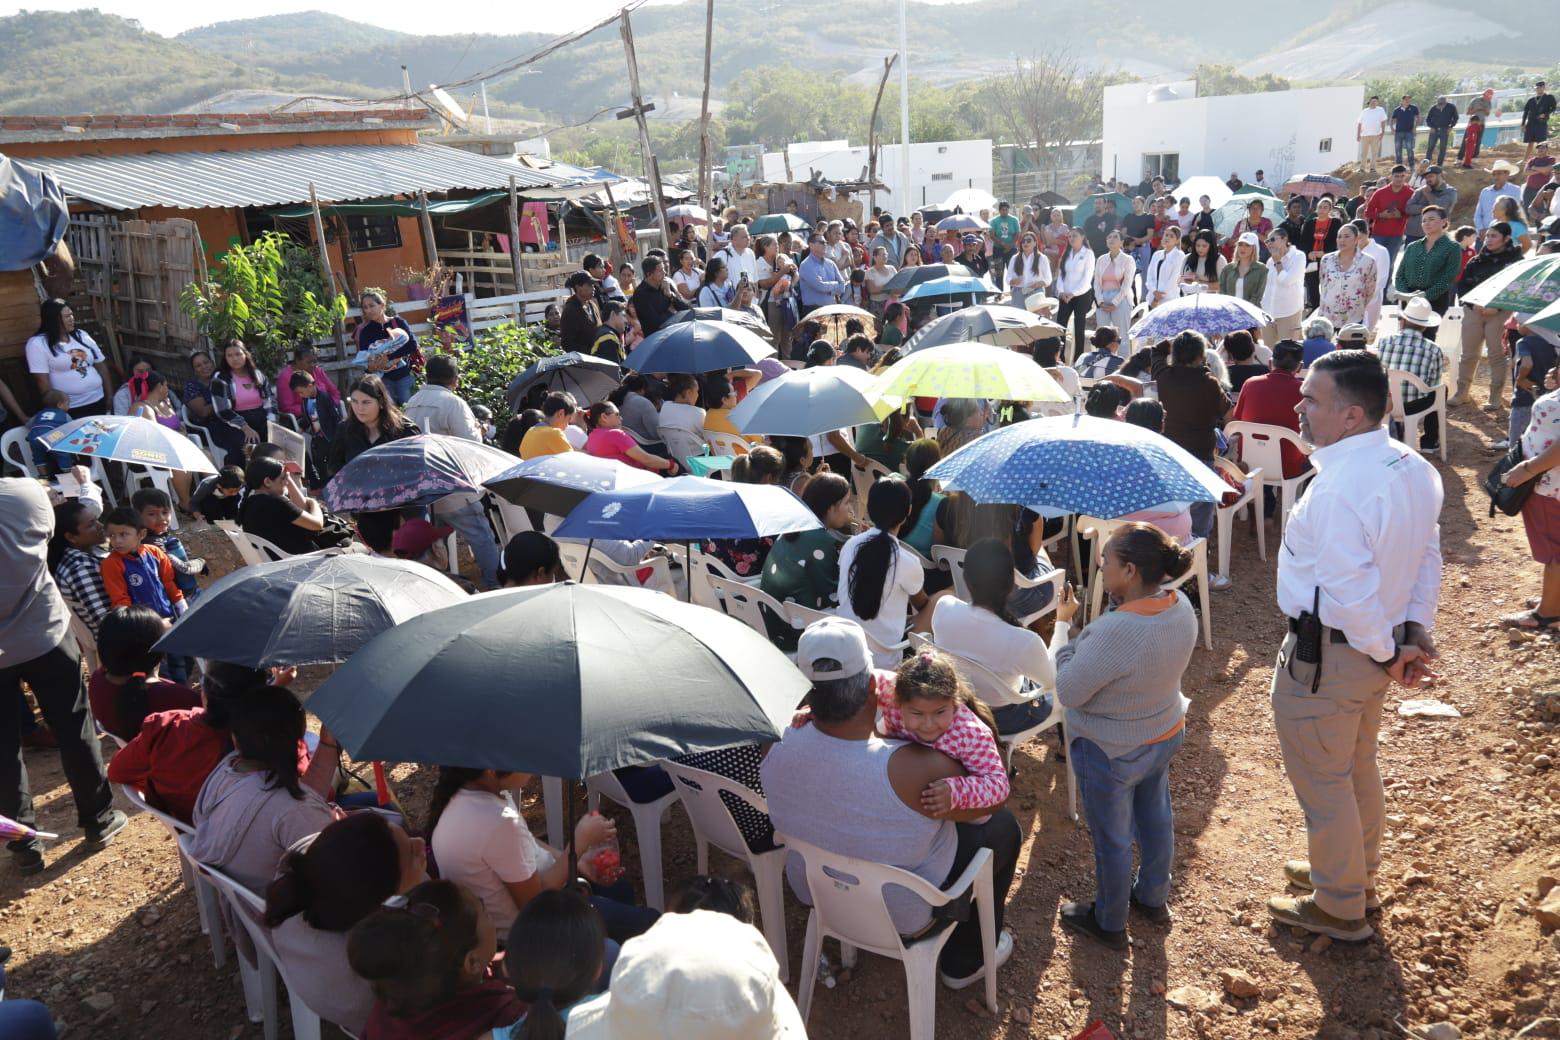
<point x="33" y="618"/>
<point x="1445" y="197"/>
<point x="245" y="827"/>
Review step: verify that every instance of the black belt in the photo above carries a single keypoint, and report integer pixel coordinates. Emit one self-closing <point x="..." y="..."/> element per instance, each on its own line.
<point x="1333" y="635"/>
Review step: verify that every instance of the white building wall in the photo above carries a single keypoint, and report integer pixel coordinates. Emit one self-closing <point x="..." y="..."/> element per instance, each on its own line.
<point x="937" y="168"/>
<point x="1281" y="132"/>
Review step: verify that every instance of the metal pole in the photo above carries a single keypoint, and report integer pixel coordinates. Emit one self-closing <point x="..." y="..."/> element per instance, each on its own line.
<point x="487" y="119"/>
<point x="904" y="206"/>
<point x="514" y="235"/>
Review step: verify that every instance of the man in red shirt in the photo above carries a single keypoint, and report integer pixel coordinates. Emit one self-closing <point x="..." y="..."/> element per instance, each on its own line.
<point x="1387" y="212"/>
<point x="1271" y="400"/>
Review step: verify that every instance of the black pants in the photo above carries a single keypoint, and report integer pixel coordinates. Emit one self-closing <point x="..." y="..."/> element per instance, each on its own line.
<point x="1076" y="309"/>
<point x="1431" y="429"/>
<point x="1001" y="834"/>
<point x="57" y="685"/>
<point x="226" y="438"/>
<point x="98" y="407"/>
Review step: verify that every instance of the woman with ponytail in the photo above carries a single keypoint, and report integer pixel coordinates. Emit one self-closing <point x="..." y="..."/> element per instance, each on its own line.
<point x="554" y="960"/>
<point x="328" y="883"/>
<point x="877" y="574"/>
<point x="426" y="960"/>
<point x="175" y="751"/>
<point x="1120" y="682"/>
<point x="127" y="687"/>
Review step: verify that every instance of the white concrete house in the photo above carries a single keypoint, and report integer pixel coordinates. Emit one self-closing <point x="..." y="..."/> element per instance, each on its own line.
<point x="1165" y="128"/>
<point x="937" y="168"/>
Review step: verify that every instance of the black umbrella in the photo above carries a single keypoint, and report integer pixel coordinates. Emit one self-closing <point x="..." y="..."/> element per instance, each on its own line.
<point x="587" y="377"/>
<point x="313" y="609"/>
<point x="562" y="680"/>
<point x="746" y="319"/>
<point x="909" y="276"/>
<point x="557" y="483"/>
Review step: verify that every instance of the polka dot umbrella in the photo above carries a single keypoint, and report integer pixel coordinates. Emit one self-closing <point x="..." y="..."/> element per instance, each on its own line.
<point x="1079" y="464"/>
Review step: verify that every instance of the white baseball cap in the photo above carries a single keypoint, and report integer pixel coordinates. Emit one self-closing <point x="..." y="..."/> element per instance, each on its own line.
<point x="833" y="639"/>
<point x="1248" y="238"/>
<point x="698" y="976"/>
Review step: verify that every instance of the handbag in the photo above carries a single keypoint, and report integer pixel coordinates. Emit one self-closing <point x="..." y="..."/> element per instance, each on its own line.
<point x="1508" y="500"/>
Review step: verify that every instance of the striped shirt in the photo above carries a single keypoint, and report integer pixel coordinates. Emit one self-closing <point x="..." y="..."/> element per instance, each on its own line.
<point x="968" y="742"/>
<point x="80" y="578"/>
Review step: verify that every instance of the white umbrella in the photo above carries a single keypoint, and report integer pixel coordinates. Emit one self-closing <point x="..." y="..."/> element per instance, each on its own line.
<point x="971" y="200"/>
<point x="810" y="401"/>
<point x="697" y="214"/>
<point x="129" y="438"/>
<point x="1217" y="191"/>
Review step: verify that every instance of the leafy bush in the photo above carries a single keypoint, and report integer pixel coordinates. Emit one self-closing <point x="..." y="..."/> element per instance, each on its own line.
<point x="268" y="294"/>
<point x="498" y="355"/>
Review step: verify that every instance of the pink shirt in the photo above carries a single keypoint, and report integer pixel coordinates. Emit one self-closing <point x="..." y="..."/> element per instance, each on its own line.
<point x="288" y="400"/>
<point x="246" y="394"/>
<point x="611" y="444"/>
<point x="968" y="741"/>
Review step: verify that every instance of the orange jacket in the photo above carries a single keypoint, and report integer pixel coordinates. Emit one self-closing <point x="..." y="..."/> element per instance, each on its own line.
<point x="118" y="587"/>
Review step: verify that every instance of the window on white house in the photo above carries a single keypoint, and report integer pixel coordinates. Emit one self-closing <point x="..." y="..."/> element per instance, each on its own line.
<point x="942" y="176"/>
<point x="1325" y="145"/>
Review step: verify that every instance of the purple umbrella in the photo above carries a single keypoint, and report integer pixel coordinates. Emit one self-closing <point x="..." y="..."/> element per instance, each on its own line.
<point x="414" y="471"/>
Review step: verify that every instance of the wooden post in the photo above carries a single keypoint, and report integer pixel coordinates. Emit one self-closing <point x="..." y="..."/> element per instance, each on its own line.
<point x="514" y="235"/>
<point x="652" y="172"/>
<point x="430" y="247"/>
<point x="704" y="109"/>
<point x="330" y="278"/>
<point x="612" y="236"/>
<point x="872" y="140"/>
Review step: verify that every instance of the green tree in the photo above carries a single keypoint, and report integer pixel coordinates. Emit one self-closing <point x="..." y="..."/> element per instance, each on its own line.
<point x="1423" y="87"/>
<point x="498" y="355"/>
<point x="271" y="294"/>
<point x="1221" y="80"/>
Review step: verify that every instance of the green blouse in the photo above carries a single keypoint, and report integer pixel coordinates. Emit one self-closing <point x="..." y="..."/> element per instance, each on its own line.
<point x="806" y="570"/>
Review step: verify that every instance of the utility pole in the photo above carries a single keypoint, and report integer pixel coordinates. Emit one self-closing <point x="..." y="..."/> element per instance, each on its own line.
<point x="704" y="109"/>
<point x="905" y="205"/>
<point x="487" y="119"/>
<point x="637" y="113"/>
<point x="873" y="148"/>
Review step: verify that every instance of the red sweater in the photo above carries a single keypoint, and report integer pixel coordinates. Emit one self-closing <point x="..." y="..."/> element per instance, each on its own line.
<point x="1271" y="400"/>
<point x="1388" y="199"/>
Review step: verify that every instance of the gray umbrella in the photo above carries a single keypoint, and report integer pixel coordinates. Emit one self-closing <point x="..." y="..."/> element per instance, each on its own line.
<point x="563" y="680"/>
<point x="313" y="609"/>
<point x="587" y="377"/>
<point x="746" y="319"/>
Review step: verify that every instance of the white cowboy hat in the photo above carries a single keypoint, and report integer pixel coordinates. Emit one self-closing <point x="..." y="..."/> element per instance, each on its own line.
<point x="1418" y="311"/>
<point x="1036" y="304"/>
<point x="1504" y="166"/>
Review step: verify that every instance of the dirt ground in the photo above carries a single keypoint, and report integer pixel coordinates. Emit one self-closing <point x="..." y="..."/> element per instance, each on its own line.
<point x="1467" y="182"/>
<point x="111" y="942"/>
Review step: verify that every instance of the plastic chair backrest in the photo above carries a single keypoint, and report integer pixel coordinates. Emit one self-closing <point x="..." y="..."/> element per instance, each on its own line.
<point x="743" y="603"/>
<point x="137" y="798"/>
<point x="246" y="549"/>
<point x="1396" y="378"/>
<point x="660" y="571"/>
<point x="725" y="443"/>
<point x="1224" y="465"/>
<point x="17" y="452"/>
<point x="573" y="559"/>
<point x="268" y="551"/>
<point x="952" y="561"/>
<point x="847" y="895"/>
<point x="513" y="517"/>
<point x="700" y="794"/>
<point x="703" y="567"/>
<point x="1260" y="445"/>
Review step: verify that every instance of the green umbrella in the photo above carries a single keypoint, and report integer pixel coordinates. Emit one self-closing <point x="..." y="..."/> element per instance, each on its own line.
<point x="774" y="223"/>
<point x="563" y="680"/>
<point x="1085" y="210"/>
<point x="1526" y="286"/>
<point x="1548" y="318"/>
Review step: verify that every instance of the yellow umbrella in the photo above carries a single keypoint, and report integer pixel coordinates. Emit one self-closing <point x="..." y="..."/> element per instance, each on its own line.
<point x="968" y="370"/>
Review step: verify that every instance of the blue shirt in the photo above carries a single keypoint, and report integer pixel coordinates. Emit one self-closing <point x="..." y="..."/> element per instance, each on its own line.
<point x="1314" y="348"/>
<point x="1484" y="213"/>
<point x="43" y="423"/>
<point x="821" y="281"/>
<point x="1404" y="120"/>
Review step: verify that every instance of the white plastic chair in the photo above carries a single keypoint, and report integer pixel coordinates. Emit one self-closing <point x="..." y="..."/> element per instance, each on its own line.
<point x="572" y="557"/>
<point x="1227" y="515"/>
<point x="1260" y="448"/>
<point x="1413" y="424"/>
<point x="268" y="551"/>
<point x="801" y="617"/>
<point x="15" y="451"/>
<point x="246" y="550"/>
<point x="1100" y="531"/>
<point x="952" y="560"/>
<point x="862" y="478"/>
<point x="138" y="477"/>
<point x="713" y="824"/>
<point x="848" y="905"/>
<point x="256" y="964"/>
<point x="200" y="435"/>
<point x="206" y="898"/>
<point x="647" y="829"/>
<point x="511" y="518"/>
<point x="743" y="602"/>
<point x="726" y="443"/>
<point x="83" y="634"/>
<point x="701" y="568"/>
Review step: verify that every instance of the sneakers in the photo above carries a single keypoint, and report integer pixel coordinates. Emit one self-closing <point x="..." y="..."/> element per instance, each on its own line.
<point x="1079" y="918"/>
<point x="1004" y="951"/>
<point x="1218" y="582"/>
<point x="1302" y="912"/>
<point x="99" y="838"/>
<point x="28" y="859"/>
<point x="1155" y="914"/>
<point x="1298" y="873"/>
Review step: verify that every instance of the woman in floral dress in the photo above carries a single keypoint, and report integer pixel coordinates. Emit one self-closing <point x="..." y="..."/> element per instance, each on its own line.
<point x="1348" y="280"/>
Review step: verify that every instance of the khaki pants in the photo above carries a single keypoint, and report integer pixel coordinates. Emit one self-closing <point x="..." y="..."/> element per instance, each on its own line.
<point x="1282" y="328"/>
<point x="1370" y="151"/>
<point x="1490" y="328"/>
<point x="1328" y="740"/>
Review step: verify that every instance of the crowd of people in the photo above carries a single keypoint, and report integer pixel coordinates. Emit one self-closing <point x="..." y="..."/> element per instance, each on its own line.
<point x="460" y="923"/>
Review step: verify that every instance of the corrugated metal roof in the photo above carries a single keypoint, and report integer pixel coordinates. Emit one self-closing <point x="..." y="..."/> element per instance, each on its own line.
<point x="276" y="176"/>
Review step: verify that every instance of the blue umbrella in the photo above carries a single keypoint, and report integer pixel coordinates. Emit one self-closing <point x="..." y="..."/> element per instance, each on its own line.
<point x="413" y="471"/>
<point x="129" y="438"/>
<point x="687" y="508"/>
<point x="587" y="377"/>
<point x="940" y="288"/>
<point x="1079" y="464"/>
<point x="557" y="483"/>
<point x="1212" y="314"/>
<point x="697" y="346"/>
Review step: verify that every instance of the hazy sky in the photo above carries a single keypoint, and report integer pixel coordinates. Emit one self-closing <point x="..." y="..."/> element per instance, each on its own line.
<point x="174" y="16"/>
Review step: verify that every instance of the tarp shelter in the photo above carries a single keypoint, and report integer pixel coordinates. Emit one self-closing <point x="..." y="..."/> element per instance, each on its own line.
<point x="33" y="215"/>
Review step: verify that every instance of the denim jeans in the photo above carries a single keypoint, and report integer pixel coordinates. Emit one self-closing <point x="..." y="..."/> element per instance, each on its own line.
<point x="1127" y="800"/>
<point x="1391" y="243"/>
<point x="1403" y="144"/>
<point x="1438" y="140"/>
<point x="1013" y="719"/>
<point x="399" y="386"/>
<point x="622" y="918"/>
<point x="1204" y="513"/>
<point x="1521" y="414"/>
<point x="471" y="521"/>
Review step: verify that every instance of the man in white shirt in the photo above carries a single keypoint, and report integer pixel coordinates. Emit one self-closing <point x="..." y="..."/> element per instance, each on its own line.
<point x="1359" y="578"/>
<point x="1368" y="130"/>
<point x="1284" y="295"/>
<point x="740" y="259"/>
<point x="436" y="408"/>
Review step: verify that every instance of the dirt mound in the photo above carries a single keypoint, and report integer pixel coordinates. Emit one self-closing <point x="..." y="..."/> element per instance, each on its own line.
<point x="1467" y="182"/>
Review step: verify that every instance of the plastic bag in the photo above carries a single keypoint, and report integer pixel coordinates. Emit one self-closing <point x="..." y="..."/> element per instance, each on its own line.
<point x="602" y="863"/>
